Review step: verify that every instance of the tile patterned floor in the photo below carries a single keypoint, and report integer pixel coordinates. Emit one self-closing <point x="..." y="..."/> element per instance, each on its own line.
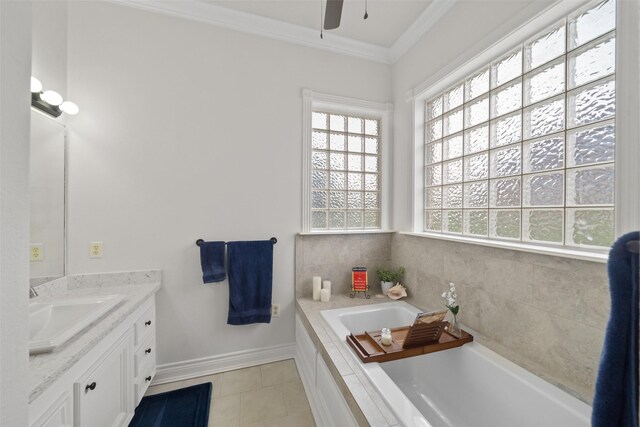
<point x="269" y="395"/>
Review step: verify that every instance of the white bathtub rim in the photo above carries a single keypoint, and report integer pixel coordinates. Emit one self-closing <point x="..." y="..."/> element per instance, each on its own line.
<point x="403" y="408"/>
<point x="332" y="316"/>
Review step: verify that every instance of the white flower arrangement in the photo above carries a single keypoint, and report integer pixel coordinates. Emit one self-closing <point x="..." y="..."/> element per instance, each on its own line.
<point x="451" y="299"/>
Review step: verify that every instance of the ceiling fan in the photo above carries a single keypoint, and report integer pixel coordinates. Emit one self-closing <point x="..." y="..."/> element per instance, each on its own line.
<point x="333" y="13"/>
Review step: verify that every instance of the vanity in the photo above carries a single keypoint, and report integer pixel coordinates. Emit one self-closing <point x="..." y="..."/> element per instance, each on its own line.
<point x="92" y="336"/>
<point x="98" y="377"/>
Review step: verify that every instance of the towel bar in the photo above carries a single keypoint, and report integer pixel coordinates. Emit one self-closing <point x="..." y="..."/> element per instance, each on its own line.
<point x="200" y="241"/>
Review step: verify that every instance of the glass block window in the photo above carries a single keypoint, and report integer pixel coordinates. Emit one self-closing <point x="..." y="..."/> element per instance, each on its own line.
<point x="345" y="172"/>
<point x="523" y="148"/>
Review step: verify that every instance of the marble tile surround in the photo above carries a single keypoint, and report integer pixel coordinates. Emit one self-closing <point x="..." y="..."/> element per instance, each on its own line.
<point x="333" y="256"/>
<point x="547" y="314"/>
<point x="367" y="405"/>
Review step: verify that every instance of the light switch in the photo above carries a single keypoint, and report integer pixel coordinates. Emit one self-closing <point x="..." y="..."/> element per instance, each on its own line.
<point x="95" y="249"/>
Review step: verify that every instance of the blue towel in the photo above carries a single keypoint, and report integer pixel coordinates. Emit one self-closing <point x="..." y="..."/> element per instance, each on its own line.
<point x="212" y="261"/>
<point x="616" y="398"/>
<point x="250" y="276"/>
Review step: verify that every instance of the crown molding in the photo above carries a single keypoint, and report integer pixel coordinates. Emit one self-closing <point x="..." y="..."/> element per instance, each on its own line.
<point x="262" y="26"/>
<point x="266" y="27"/>
<point x="420" y="26"/>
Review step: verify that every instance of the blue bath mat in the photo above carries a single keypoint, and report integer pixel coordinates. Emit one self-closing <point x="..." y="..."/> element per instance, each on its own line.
<point x="186" y="407"/>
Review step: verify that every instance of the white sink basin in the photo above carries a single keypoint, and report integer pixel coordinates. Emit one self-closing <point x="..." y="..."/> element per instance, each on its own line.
<point x="53" y="323"/>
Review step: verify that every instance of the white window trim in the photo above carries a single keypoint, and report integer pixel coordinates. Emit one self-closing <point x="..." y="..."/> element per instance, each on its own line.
<point x="383" y="111"/>
<point x="627" y="156"/>
<point x="627" y="176"/>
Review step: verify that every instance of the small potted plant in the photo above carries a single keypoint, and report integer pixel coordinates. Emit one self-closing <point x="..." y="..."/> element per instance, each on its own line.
<point x="389" y="277"/>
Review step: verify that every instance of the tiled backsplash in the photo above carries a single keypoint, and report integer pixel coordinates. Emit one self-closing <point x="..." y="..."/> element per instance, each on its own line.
<point x="547" y="314"/>
<point x="119" y="278"/>
<point x="333" y="256"/>
<point x="99" y="280"/>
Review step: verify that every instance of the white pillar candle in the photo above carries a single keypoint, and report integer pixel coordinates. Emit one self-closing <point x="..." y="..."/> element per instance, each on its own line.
<point x="326" y="285"/>
<point x="317" y="284"/>
<point x="325" y="295"/>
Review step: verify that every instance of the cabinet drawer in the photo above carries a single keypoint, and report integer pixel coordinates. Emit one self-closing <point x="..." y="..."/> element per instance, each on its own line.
<point x="145" y="325"/>
<point x="147" y="373"/>
<point x="145" y="354"/>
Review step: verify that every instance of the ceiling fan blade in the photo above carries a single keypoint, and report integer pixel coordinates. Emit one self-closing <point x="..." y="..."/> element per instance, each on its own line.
<point x="333" y="14"/>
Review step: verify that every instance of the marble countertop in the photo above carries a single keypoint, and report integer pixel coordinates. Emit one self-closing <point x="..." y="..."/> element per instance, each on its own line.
<point x="367" y="405"/>
<point x="46" y="368"/>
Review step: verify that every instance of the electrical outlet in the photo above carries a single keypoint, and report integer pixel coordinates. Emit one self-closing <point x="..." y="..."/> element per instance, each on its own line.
<point x="95" y="249"/>
<point x="36" y="252"/>
<point x="275" y="310"/>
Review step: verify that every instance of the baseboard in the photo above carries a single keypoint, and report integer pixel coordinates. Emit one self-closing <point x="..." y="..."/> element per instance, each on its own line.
<point x="220" y="363"/>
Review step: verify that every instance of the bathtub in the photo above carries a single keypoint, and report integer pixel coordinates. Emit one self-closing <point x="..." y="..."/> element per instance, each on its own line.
<point x="465" y="386"/>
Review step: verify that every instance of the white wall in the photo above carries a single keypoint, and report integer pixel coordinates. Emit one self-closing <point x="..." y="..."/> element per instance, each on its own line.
<point x="191" y="131"/>
<point x="49" y="56"/>
<point x="15" y="65"/>
<point x="469" y="27"/>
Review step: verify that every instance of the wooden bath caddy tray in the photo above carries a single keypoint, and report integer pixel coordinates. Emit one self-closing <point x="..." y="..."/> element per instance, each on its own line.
<point x="369" y="348"/>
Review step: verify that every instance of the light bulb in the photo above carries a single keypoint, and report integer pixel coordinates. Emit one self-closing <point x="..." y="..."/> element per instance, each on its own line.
<point x="69" y="107"/>
<point x="36" y="86"/>
<point x="52" y="97"/>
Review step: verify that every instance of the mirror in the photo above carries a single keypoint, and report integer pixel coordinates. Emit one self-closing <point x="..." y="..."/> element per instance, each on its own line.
<point x="47" y="199"/>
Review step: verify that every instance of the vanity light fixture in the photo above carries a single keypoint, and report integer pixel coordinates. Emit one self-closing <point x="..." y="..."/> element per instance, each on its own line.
<point x="52" y="97"/>
<point x="69" y="107"/>
<point x="50" y="101"/>
<point x="36" y="86"/>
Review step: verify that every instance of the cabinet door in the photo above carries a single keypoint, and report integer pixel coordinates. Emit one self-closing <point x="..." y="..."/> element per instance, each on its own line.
<point x="305" y="353"/>
<point x="58" y="414"/>
<point x="331" y="400"/>
<point x="103" y="397"/>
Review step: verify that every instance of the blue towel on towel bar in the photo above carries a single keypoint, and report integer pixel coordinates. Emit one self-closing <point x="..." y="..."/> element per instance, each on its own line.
<point x="212" y="261"/>
<point x="616" y="398"/>
<point x="250" y="277"/>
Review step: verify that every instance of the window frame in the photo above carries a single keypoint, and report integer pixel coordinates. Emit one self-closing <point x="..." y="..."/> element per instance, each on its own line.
<point x="627" y="201"/>
<point x="316" y="101"/>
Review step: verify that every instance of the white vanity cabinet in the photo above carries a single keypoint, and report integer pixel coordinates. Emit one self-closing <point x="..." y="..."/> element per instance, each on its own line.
<point x="145" y="354"/>
<point x="57" y="414"/>
<point x="103" y="387"/>
<point x="102" y="397"/>
<point x="327" y="403"/>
